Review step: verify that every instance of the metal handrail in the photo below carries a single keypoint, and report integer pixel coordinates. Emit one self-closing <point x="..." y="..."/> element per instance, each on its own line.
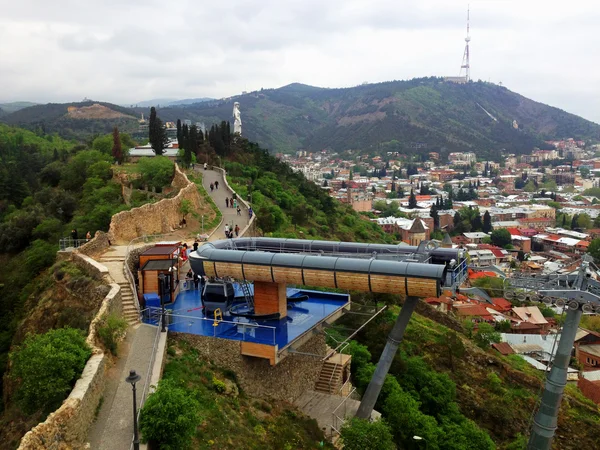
<point x="237" y="324"/>
<point x="148" y="376"/>
<point x="334" y="425"/>
<point x="342" y="346"/>
<point x="65" y="243"/>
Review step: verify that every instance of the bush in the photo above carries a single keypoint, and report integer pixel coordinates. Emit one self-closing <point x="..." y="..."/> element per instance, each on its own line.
<point x="486" y="335"/>
<point x="157" y="171"/>
<point x="359" y="434"/>
<point x="218" y="385"/>
<point x="112" y="328"/>
<point x="170" y="417"/>
<point x="46" y="367"/>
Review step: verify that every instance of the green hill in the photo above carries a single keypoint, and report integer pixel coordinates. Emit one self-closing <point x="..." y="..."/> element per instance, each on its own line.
<point x="415" y="116"/>
<point x="86" y="119"/>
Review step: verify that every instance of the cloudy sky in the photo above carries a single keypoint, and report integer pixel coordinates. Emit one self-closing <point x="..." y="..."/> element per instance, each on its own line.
<point x="125" y="51"/>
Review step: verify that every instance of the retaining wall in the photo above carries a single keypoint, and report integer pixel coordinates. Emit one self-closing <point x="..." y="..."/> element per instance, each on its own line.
<point x="67" y="427"/>
<point x="158" y="218"/>
<point x="285" y="381"/>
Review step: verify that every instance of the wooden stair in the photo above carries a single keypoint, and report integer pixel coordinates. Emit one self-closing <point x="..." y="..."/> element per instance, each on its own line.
<point x="330" y="378"/>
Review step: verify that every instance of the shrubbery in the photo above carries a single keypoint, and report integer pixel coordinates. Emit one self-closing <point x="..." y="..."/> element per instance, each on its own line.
<point x="111" y="329"/>
<point x="46" y="367"/>
<point x="359" y="434"/>
<point x="170" y="416"/>
<point x="156" y="172"/>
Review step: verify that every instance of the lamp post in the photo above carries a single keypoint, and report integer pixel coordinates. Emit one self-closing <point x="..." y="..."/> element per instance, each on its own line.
<point x="419" y="439"/>
<point x="132" y="379"/>
<point x="161" y="290"/>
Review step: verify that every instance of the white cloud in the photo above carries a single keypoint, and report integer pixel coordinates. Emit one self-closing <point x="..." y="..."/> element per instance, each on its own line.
<point x="131" y="50"/>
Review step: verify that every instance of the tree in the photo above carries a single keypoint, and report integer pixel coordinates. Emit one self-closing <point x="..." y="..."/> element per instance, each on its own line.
<point x="46" y="366"/>
<point x="594" y="249"/>
<point x="584" y="221"/>
<point x="117" y="150"/>
<point x="486" y="335"/>
<point x="180" y="142"/>
<point x="574" y="221"/>
<point x="170" y="417"/>
<point x="487" y="222"/>
<point x="457" y="220"/>
<point x="477" y="225"/>
<point x="412" y="200"/>
<point x="454" y="345"/>
<point x="501" y="237"/>
<point x="185" y="207"/>
<point x="157" y="134"/>
<point x="360" y="434"/>
<point x="157" y="171"/>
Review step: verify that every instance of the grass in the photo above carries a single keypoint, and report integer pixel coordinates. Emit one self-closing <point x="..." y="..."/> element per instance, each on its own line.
<point x="236" y="421"/>
<point x="213" y="223"/>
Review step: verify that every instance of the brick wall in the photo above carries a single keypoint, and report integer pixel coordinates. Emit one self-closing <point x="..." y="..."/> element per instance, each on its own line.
<point x="590" y="389"/>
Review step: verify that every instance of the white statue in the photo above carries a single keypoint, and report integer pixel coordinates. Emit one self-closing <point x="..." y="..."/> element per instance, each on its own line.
<point x="237" y="122"/>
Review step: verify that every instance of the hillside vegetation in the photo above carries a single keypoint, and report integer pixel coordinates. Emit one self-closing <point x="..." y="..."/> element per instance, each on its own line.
<point x="86" y="121"/>
<point x="411" y="117"/>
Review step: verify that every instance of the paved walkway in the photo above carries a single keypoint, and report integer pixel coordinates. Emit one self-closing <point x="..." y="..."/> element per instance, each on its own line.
<point x="218" y="195"/>
<point x="113" y="429"/>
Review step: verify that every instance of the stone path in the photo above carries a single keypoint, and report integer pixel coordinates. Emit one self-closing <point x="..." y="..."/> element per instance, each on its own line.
<point x="113" y="430"/>
<point x="218" y="195"/>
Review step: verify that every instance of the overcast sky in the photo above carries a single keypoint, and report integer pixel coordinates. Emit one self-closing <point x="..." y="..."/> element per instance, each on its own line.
<point x="125" y="51"/>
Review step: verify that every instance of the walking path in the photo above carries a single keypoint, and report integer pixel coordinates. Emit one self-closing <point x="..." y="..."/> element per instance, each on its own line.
<point x="113" y="428"/>
<point x="219" y="195"/>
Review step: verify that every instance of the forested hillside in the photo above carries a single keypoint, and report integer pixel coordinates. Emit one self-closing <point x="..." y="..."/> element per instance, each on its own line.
<point x="55" y="118"/>
<point x="412" y="117"/>
<point x="48" y="186"/>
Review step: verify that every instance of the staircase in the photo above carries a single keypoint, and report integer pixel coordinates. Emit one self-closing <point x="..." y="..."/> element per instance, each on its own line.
<point x="330" y="377"/>
<point x="114" y="260"/>
<point x="130" y="312"/>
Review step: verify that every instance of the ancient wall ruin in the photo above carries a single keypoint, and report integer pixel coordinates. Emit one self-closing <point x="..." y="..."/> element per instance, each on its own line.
<point x="161" y="217"/>
<point x="67" y="427"/>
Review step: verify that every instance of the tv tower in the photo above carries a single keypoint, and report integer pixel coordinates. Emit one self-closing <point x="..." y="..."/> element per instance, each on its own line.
<point x="465" y="62"/>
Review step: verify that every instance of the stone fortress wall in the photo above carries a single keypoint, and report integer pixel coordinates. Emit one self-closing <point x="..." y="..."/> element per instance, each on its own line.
<point x="161" y="217"/>
<point x="67" y="427"/>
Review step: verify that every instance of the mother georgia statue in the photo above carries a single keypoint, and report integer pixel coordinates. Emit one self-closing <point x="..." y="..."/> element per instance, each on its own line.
<point x="237" y="122"/>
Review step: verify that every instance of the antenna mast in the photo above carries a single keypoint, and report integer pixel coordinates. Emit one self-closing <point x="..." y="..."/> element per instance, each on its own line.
<point x="465" y="63"/>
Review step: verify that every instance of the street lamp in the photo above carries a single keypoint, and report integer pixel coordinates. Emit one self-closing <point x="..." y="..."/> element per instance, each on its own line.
<point x="419" y="438"/>
<point x="161" y="290"/>
<point x="132" y="379"/>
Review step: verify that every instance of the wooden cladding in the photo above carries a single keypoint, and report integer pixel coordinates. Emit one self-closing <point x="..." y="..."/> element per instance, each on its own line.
<point x="260" y="351"/>
<point x="270" y="298"/>
<point x="393" y="284"/>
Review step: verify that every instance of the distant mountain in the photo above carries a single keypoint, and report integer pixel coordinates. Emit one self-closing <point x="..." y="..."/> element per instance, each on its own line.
<point x="171" y="102"/>
<point x="74" y="120"/>
<point x="415" y="116"/>
<point x="12" y="107"/>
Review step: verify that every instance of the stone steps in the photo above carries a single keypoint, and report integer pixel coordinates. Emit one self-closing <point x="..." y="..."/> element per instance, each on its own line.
<point x="330" y="378"/>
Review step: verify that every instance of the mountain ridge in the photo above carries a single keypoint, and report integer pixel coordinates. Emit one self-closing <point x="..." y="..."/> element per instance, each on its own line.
<point x="408" y="117"/>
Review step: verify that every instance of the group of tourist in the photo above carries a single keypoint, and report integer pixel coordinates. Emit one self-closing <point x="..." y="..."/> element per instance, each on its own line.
<point x="214" y="186"/>
<point x="230" y="231"/>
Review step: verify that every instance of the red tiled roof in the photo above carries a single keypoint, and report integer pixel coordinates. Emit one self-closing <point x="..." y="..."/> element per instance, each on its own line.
<point x="504" y="348"/>
<point x="514" y="231"/>
<point x="473" y="311"/>
<point x="501" y="304"/>
<point x="483" y="274"/>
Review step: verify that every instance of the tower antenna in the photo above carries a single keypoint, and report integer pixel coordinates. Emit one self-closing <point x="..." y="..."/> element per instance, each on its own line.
<point x="465" y="62"/>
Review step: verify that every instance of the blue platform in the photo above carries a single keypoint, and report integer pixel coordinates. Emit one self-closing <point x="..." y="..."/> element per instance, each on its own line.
<point x="187" y="316"/>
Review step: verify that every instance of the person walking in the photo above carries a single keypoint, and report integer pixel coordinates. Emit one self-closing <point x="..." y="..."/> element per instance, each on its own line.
<point x="237" y="230"/>
<point x="212" y="186"/>
<point x="231" y="202"/>
<point x="227" y="202"/>
<point x="250" y="212"/>
<point x="205" y="166"/>
<point x="226" y="230"/>
<point x="88" y="236"/>
<point x="74" y="234"/>
<point x="216" y="185"/>
<point x="239" y="211"/>
<point x="235" y="203"/>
